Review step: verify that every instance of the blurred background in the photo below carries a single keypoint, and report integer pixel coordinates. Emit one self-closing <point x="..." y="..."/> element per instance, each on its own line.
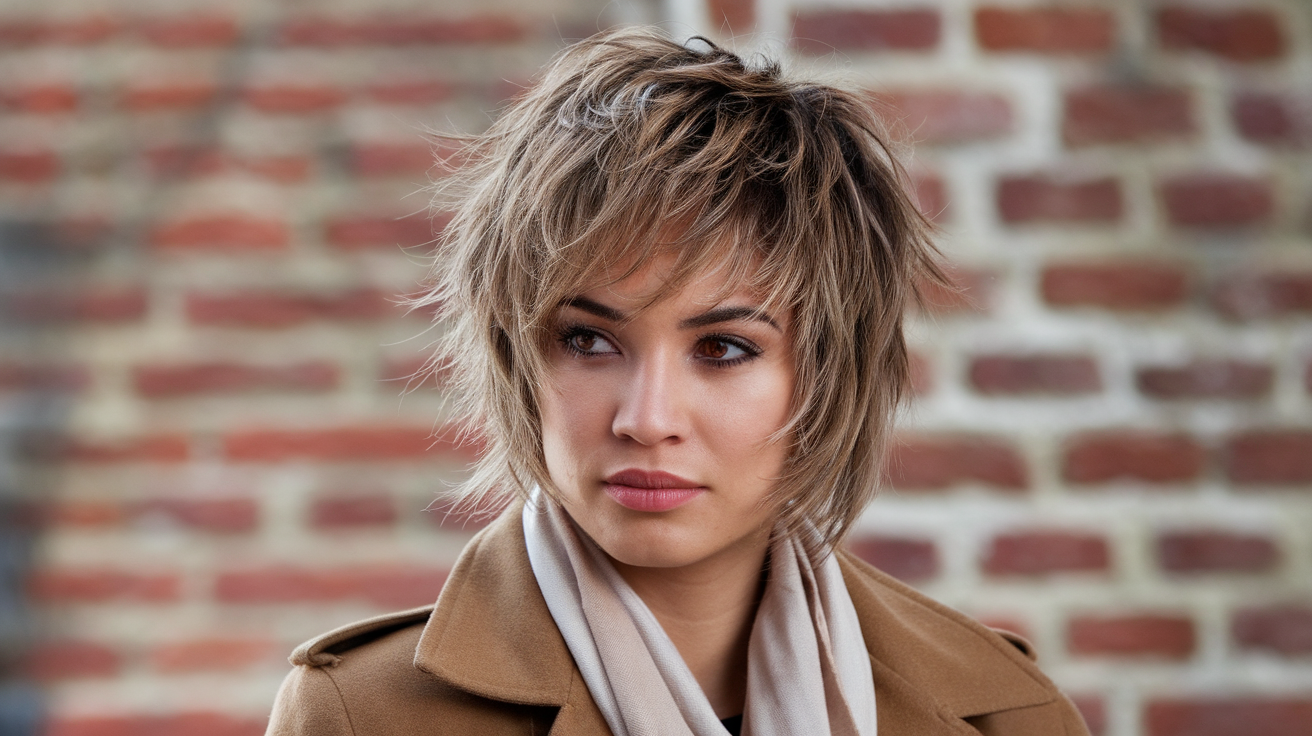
<point x="209" y="209"/>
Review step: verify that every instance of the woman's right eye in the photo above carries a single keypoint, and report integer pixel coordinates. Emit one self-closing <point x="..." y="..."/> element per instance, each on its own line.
<point x="586" y="342"/>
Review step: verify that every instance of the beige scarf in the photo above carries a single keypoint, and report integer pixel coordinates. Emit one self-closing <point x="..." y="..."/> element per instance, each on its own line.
<point x="807" y="667"/>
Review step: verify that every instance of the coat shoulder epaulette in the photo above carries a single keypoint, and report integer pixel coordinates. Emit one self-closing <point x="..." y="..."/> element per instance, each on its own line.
<point x="1019" y="642"/>
<point x="323" y="650"/>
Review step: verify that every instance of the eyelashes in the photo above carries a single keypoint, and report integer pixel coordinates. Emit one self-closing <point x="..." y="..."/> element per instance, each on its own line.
<point x="716" y="350"/>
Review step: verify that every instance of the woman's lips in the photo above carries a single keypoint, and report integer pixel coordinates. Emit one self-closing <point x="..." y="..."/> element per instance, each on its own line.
<point x="650" y="490"/>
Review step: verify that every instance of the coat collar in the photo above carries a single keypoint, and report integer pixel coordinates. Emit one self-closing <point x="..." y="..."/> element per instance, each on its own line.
<point x="492" y="635"/>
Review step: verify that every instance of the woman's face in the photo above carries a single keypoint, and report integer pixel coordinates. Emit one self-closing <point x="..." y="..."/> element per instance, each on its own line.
<point x="657" y="430"/>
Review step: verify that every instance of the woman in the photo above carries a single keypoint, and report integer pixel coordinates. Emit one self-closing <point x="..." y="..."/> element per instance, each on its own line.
<point x="673" y="290"/>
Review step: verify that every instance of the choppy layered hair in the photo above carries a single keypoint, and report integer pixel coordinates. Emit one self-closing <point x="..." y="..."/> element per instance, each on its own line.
<point x="789" y="186"/>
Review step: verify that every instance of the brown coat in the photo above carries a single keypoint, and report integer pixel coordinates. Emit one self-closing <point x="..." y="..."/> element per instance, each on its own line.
<point x="488" y="660"/>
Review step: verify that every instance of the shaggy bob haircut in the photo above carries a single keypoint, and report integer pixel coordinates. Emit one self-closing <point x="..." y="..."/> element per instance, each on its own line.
<point x="630" y="145"/>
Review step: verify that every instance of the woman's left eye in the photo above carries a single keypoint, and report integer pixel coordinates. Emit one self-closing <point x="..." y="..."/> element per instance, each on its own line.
<point x="721" y="351"/>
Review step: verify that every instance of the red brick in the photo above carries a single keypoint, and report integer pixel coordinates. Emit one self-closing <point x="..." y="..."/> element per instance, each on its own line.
<point x="1141" y="114"/>
<point x="971" y="292"/>
<point x="935" y="463"/>
<point x="79" y="513"/>
<point x="211" y="655"/>
<point x="1243" y="35"/>
<point x="1045" y="553"/>
<point x="101" y="585"/>
<point x="206" y="514"/>
<point x="1129" y="286"/>
<point x="86" y="304"/>
<point x="285" y="309"/>
<point x="1207" y="379"/>
<point x="1093" y="709"/>
<point x="1270" y="457"/>
<point x="190" y="31"/>
<point x="1049" y="198"/>
<point x="42" y="99"/>
<point x="151" y="448"/>
<point x="1145" y="635"/>
<point x="1056" y="374"/>
<point x="178" y="724"/>
<point x="1271" y="119"/>
<point x="163" y="381"/>
<point x="28" y="167"/>
<point x="353" y="510"/>
<point x="1104" y="457"/>
<point x="70" y="32"/>
<point x="904" y="558"/>
<point x="417" y="92"/>
<point x="1217" y="200"/>
<point x="1282" y="629"/>
<point x="43" y="377"/>
<point x="1256" y="295"/>
<point x="825" y="31"/>
<point x="294" y="99"/>
<point x="1047" y="30"/>
<point x="733" y="16"/>
<point x="392" y="159"/>
<point x="383" y="585"/>
<point x="353" y="233"/>
<point x="221" y="233"/>
<point x="1229" y="716"/>
<point x="401" y="30"/>
<point x="1213" y="550"/>
<point x="89" y="303"/>
<point x="931" y="195"/>
<point x="945" y="116"/>
<point x="345" y="444"/>
<point x="168" y="96"/>
<point x="68" y="659"/>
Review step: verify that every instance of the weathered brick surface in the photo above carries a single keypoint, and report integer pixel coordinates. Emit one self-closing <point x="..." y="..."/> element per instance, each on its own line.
<point x="824" y="31"/>
<point x="1132" y="114"/>
<point x="1235" y="33"/>
<point x="1228" y="716"/>
<point x="1041" y="198"/>
<point x="1126" y="286"/>
<point x="1132" y="455"/>
<point x="1283" y="629"/>
<point x="1049" y="30"/>
<point x="904" y="558"/>
<point x="1220" y="379"/>
<point x="209" y="213"/>
<point x="1217" y="200"/>
<point x="1141" y="635"/>
<point x="1046" y="552"/>
<point x="935" y="463"/>
<point x="1215" y="550"/>
<point x="1056" y="374"/>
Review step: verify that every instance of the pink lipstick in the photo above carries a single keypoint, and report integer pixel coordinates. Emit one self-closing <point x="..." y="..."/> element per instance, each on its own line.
<point x="651" y="490"/>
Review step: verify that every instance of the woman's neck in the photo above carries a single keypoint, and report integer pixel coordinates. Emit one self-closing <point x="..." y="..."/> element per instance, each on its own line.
<point x="707" y="609"/>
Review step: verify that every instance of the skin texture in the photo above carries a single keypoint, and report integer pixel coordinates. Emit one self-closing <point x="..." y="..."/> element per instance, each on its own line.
<point x="701" y="401"/>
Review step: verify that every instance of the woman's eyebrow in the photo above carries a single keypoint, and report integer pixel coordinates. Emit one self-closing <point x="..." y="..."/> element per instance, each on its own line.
<point x="596" y="309"/>
<point x="729" y="314"/>
<point x="714" y="316"/>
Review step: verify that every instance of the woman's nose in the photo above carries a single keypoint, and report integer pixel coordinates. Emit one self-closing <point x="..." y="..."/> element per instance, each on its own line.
<point x="652" y="407"/>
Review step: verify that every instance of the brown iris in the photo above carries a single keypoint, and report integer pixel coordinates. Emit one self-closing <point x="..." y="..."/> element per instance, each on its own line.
<point x="713" y="349"/>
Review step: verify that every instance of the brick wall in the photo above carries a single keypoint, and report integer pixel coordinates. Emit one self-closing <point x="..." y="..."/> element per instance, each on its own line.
<point x="208" y="209"/>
